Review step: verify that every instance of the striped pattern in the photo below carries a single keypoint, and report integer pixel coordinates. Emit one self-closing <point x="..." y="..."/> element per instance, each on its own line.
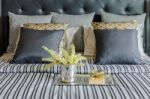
<point x="25" y="82"/>
<point x="40" y="86"/>
<point x="38" y="68"/>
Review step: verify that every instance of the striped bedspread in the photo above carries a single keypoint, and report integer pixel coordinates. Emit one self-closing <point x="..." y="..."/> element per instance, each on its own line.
<point x="30" y="68"/>
<point x="40" y="86"/>
<point x="27" y="82"/>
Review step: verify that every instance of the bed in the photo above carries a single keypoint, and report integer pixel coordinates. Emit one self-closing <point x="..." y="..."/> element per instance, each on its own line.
<point x="24" y="81"/>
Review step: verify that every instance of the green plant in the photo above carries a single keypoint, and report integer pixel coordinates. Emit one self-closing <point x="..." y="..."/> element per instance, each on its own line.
<point x="64" y="57"/>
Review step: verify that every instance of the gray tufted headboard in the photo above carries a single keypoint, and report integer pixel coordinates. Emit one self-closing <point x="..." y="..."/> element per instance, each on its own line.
<point x="39" y="7"/>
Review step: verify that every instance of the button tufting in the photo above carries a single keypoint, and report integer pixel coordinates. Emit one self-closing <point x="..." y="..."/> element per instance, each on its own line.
<point x="81" y="10"/>
<point x="35" y="7"/>
<point x="64" y="8"/>
<point x="106" y="9"/>
<point x="85" y="8"/>
<point x="127" y="9"/>
<point x="20" y="10"/>
<point x="40" y="11"/>
<point x="60" y="10"/>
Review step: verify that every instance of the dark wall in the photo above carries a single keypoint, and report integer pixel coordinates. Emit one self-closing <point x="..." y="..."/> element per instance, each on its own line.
<point x="0" y="7"/>
<point x="0" y="26"/>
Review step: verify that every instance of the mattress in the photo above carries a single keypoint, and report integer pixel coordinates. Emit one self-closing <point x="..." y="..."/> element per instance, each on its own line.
<point x="24" y="81"/>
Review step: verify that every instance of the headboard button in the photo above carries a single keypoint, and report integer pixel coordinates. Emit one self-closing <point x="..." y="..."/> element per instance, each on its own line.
<point x="60" y="11"/>
<point x="20" y="11"/>
<point x="106" y="9"/>
<point x="40" y="11"/>
<point x="64" y="9"/>
<point x="81" y="10"/>
<point x="127" y="9"/>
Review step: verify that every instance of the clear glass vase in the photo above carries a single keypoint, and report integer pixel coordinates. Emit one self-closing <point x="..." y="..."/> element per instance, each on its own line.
<point x="67" y="73"/>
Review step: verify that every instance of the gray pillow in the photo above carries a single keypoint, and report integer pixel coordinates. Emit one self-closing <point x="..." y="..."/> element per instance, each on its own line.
<point x="30" y="50"/>
<point x="16" y="20"/>
<point x="109" y="17"/>
<point x="117" y="47"/>
<point x="75" y="21"/>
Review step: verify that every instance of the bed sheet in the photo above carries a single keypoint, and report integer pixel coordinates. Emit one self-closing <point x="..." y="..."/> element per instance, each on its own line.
<point x="40" y="86"/>
<point x="5" y="67"/>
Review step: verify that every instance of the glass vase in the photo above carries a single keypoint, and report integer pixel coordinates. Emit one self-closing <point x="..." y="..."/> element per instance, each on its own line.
<point x="67" y="73"/>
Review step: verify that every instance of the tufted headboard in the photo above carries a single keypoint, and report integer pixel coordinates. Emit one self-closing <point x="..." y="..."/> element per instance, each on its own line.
<point x="39" y="7"/>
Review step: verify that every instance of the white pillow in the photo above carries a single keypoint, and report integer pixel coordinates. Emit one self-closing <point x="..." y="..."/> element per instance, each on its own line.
<point x="110" y="17"/>
<point x="69" y="36"/>
<point x="75" y="21"/>
<point x="16" y="20"/>
<point x="89" y="41"/>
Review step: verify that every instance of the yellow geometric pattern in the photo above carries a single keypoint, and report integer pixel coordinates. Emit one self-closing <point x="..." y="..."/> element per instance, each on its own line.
<point x="46" y="26"/>
<point x="115" y="25"/>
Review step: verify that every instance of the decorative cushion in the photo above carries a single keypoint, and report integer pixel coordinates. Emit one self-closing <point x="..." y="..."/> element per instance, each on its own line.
<point x="70" y="36"/>
<point x="46" y="26"/>
<point x="78" y="39"/>
<point x="115" y="25"/>
<point x="115" y="46"/>
<point x="29" y="48"/>
<point x="50" y="26"/>
<point x="89" y="41"/>
<point x="75" y="21"/>
<point x="109" y="17"/>
<point x="89" y="37"/>
<point x="16" y="20"/>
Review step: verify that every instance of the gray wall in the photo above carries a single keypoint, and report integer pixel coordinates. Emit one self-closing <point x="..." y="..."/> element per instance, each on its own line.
<point x="0" y="25"/>
<point x="0" y="7"/>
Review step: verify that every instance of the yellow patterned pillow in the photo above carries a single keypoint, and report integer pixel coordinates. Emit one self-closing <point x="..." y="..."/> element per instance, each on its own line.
<point x="115" y="25"/>
<point x="46" y="26"/>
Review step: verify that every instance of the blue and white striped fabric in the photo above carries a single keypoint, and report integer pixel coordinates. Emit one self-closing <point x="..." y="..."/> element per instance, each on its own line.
<point x="40" y="86"/>
<point x="27" y="82"/>
<point x="30" y="68"/>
